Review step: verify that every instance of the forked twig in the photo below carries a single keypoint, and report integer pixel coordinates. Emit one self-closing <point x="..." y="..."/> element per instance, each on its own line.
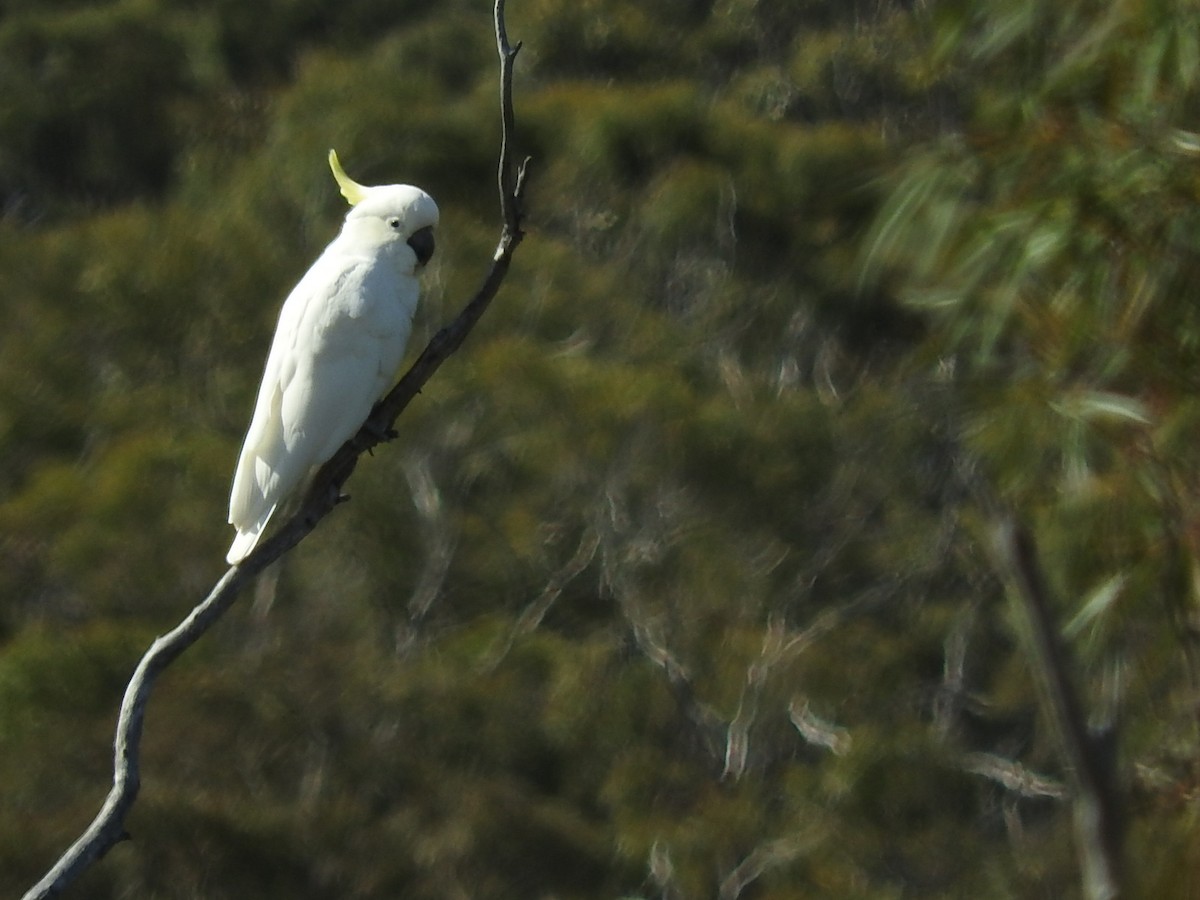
<point x="108" y="827"/>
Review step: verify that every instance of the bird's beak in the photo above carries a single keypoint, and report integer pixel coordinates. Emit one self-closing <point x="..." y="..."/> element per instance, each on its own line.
<point x="422" y="243"/>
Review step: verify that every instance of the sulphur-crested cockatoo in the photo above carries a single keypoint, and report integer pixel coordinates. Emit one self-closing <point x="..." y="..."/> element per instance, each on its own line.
<point x="340" y="339"/>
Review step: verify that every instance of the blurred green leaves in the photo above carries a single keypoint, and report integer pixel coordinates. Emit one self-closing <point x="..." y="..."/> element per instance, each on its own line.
<point x="676" y="581"/>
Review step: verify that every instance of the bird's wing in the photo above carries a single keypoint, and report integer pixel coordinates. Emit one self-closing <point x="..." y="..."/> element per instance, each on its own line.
<point x="263" y="477"/>
<point x="359" y="341"/>
<point x="340" y="338"/>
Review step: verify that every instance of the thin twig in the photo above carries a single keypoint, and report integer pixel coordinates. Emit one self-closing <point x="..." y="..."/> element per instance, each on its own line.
<point x="1011" y="775"/>
<point x="108" y="828"/>
<point x="511" y="185"/>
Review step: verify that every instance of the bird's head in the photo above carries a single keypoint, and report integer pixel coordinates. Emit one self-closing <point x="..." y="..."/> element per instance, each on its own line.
<point x="388" y="215"/>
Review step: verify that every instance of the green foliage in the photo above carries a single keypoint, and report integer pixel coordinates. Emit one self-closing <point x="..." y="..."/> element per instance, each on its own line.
<point x="677" y="581"/>
<point x="1050" y="241"/>
<point x="67" y="127"/>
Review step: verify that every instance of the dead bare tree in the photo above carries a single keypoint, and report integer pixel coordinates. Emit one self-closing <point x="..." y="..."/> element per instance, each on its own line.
<point x="325" y="492"/>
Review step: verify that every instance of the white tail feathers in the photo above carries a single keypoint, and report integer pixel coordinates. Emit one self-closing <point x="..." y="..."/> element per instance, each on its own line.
<point x="247" y="540"/>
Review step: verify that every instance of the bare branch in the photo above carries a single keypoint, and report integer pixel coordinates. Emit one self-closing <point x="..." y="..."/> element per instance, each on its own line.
<point x="662" y="871"/>
<point x="1095" y="798"/>
<point x="708" y="724"/>
<point x="512" y="185"/>
<point x="1011" y="775"/>
<point x="768" y="855"/>
<point x="533" y="614"/>
<point x="438" y="536"/>
<point x="108" y="829"/>
<point x="952" y="693"/>
<point x="818" y="731"/>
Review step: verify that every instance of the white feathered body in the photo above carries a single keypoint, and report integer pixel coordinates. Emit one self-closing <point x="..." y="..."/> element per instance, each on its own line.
<point x="339" y="341"/>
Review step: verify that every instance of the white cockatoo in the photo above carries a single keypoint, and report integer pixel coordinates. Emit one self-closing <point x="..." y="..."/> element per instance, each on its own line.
<point x="340" y="339"/>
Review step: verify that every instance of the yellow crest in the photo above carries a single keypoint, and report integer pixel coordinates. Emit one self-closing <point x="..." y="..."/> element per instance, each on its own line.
<point x="351" y="189"/>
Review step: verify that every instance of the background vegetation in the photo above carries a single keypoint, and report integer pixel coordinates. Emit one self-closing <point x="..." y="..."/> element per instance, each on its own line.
<point x="679" y="581"/>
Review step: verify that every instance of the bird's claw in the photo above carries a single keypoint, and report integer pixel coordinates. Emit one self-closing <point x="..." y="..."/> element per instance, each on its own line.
<point x="380" y="433"/>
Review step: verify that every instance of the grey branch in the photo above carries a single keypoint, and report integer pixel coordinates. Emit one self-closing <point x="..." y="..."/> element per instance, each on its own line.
<point x="768" y="855"/>
<point x="533" y="614"/>
<point x="1011" y="775"/>
<point x="108" y="828"/>
<point x="818" y="731"/>
<point x="1095" y="797"/>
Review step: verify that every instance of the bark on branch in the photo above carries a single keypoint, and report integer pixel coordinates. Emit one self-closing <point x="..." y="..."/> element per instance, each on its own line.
<point x="325" y="492"/>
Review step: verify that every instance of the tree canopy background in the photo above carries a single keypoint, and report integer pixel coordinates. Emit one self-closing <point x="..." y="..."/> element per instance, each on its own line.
<point x="678" y="581"/>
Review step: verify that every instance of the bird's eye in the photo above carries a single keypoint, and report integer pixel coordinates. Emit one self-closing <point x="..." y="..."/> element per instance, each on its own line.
<point x="394" y="222"/>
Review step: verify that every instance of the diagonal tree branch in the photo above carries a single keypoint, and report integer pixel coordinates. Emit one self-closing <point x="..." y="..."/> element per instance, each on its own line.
<point x="1095" y="795"/>
<point x="108" y="828"/>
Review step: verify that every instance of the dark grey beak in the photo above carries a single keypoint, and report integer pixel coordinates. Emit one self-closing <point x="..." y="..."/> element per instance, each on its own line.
<point x="422" y="243"/>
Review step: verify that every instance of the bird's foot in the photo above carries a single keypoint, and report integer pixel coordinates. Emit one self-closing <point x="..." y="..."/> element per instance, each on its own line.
<point x="380" y="434"/>
<point x="334" y="494"/>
